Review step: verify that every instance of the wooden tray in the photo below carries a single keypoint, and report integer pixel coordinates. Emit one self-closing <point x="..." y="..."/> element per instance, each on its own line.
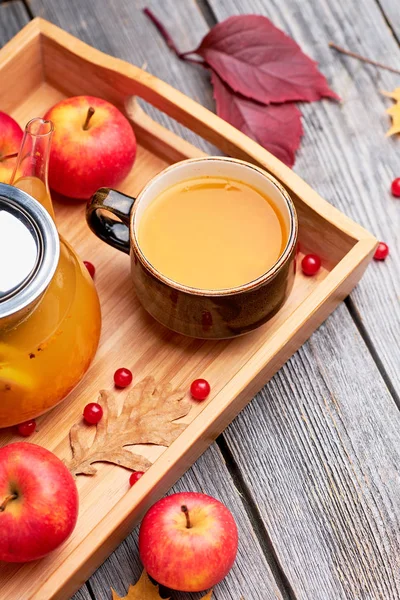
<point x="42" y="65"/>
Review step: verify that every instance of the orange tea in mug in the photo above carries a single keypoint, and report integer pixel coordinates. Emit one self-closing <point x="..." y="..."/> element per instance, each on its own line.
<point x="212" y="233"/>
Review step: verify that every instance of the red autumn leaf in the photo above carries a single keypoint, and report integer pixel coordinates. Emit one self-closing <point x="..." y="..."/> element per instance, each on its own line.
<point x="259" y="61"/>
<point x="277" y="127"/>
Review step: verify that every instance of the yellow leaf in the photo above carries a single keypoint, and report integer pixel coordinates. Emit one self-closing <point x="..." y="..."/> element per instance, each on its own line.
<point x="394" y="111"/>
<point x="395" y="94"/>
<point x="143" y="590"/>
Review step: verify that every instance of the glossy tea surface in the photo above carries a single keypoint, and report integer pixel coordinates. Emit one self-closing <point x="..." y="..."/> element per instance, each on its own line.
<point x="212" y="233"/>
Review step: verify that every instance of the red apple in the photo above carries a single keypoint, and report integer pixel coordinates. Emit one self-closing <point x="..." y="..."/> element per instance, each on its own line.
<point x="188" y="541"/>
<point x="10" y="141"/>
<point x="90" y="149"/>
<point x="38" y="502"/>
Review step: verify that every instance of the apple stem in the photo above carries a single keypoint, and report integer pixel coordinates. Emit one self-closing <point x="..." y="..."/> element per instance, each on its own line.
<point x="89" y="115"/>
<point x="6" y="500"/>
<point x="7" y="156"/>
<point x="185" y="510"/>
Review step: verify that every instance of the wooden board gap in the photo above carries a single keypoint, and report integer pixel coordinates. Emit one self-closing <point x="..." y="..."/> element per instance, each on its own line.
<point x="256" y="521"/>
<point x="207" y="12"/>
<point x="388" y="22"/>
<point x="28" y="9"/>
<point x="90" y="590"/>
<point x="355" y="315"/>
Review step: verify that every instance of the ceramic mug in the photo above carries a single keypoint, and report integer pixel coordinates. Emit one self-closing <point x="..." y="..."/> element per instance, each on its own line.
<point x="199" y="313"/>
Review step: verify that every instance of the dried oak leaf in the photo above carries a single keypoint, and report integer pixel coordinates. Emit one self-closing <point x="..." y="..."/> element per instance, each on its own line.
<point x="394" y="111"/>
<point x="148" y="417"/>
<point x="143" y="590"/>
<point x="276" y="127"/>
<point x="259" y="61"/>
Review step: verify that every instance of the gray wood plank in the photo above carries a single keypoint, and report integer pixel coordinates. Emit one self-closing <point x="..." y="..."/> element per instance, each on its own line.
<point x="250" y="576"/>
<point x="390" y="9"/>
<point x="344" y="153"/>
<point x="323" y="468"/>
<point x="13" y="16"/>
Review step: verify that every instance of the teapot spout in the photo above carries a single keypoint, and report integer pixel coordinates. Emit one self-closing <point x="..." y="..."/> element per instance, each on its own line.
<point x="31" y="170"/>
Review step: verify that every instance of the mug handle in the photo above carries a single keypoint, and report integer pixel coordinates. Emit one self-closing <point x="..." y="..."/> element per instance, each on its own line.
<point x="108" y="214"/>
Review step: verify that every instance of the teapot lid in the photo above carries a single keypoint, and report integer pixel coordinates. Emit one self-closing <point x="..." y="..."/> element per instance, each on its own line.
<point x="29" y="249"/>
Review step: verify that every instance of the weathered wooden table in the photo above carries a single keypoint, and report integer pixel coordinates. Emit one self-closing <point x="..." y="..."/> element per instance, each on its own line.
<point x="311" y="468"/>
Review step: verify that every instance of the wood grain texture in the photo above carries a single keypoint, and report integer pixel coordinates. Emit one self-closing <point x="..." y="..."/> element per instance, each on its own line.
<point x="251" y="579"/>
<point x="13" y="17"/>
<point x="390" y="9"/>
<point x="344" y="153"/>
<point x="323" y="468"/>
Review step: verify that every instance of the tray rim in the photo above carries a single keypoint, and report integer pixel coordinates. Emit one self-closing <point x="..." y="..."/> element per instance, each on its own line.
<point x="180" y="107"/>
<point x="246" y="382"/>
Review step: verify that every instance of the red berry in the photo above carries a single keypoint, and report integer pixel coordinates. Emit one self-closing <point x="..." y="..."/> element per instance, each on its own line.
<point x="136" y="475"/>
<point x="311" y="264"/>
<point x="26" y="429"/>
<point x="396" y="187"/>
<point x="123" y="377"/>
<point x="200" y="389"/>
<point x="90" y="267"/>
<point x="92" y="413"/>
<point x="382" y="251"/>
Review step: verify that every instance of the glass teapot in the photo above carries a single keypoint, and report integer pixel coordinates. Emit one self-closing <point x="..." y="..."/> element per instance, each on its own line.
<point x="49" y="309"/>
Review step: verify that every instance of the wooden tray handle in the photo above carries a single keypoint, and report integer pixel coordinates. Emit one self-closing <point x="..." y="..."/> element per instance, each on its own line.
<point x="119" y="81"/>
